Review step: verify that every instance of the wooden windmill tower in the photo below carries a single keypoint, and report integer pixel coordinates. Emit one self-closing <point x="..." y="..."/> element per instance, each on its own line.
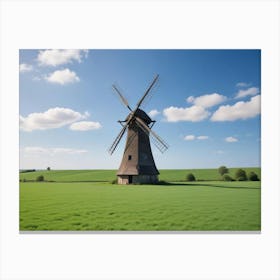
<point x="138" y="164"/>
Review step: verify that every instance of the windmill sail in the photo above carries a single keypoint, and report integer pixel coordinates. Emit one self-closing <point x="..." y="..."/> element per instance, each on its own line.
<point x="147" y="92"/>
<point x="158" y="141"/>
<point x="122" y="98"/>
<point x="117" y="140"/>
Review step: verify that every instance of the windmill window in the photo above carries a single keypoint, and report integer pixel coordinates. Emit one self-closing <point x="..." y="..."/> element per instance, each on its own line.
<point x="129" y="157"/>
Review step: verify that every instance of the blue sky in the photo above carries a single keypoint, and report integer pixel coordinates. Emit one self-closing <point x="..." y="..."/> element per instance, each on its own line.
<point x="206" y="104"/>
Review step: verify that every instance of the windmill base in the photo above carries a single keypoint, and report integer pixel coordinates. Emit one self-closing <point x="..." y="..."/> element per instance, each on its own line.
<point x="137" y="179"/>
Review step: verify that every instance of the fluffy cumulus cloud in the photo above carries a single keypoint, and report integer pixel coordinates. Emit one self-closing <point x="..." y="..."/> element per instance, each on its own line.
<point x="189" y="137"/>
<point x="62" y="77"/>
<point x="193" y="114"/>
<point x="51" y="151"/>
<point x="239" y="111"/>
<point x="247" y="92"/>
<point x="85" y="125"/>
<point x="60" y="57"/>
<point x="23" y="67"/>
<point x="52" y="118"/>
<point x="153" y="113"/>
<point x="231" y="139"/>
<point x="207" y="100"/>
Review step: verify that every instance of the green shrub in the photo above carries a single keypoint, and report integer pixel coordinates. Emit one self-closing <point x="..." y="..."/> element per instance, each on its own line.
<point x="252" y="176"/>
<point x="227" y="178"/>
<point x="40" y="178"/>
<point x="223" y="170"/>
<point x="190" y="177"/>
<point x="240" y="175"/>
<point x="115" y="181"/>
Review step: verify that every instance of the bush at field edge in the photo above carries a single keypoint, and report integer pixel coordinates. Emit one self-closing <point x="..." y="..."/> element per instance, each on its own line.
<point x="40" y="178"/>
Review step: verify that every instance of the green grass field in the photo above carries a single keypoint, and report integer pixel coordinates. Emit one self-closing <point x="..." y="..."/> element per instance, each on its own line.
<point x="170" y="175"/>
<point x="98" y="206"/>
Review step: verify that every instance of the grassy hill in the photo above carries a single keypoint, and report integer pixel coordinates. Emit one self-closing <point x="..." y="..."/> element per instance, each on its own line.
<point x="170" y="175"/>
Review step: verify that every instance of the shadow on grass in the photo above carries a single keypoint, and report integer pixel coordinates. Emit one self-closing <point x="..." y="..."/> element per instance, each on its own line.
<point x="160" y="183"/>
<point x="203" y="185"/>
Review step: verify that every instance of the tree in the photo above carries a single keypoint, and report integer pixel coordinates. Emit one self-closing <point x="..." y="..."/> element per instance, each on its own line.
<point x="48" y="168"/>
<point x="252" y="176"/>
<point x="223" y="170"/>
<point x="40" y="178"/>
<point x="190" y="177"/>
<point x="240" y="175"/>
<point x="227" y="178"/>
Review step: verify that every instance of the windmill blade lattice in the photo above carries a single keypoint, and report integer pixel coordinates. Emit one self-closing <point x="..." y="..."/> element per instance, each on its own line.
<point x="117" y="140"/>
<point x="147" y="92"/>
<point x="158" y="142"/>
<point x="150" y="96"/>
<point x="122" y="98"/>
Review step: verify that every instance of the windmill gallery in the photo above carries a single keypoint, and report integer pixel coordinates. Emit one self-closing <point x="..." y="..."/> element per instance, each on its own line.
<point x="137" y="165"/>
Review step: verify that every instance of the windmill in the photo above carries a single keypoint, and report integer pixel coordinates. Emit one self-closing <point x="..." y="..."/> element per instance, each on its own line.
<point x="138" y="164"/>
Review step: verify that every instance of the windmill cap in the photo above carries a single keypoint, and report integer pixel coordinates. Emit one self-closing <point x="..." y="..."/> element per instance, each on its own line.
<point x="142" y="115"/>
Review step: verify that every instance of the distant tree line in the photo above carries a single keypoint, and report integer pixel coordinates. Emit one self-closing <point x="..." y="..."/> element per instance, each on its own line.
<point x="27" y="170"/>
<point x="240" y="175"/>
<point x="39" y="178"/>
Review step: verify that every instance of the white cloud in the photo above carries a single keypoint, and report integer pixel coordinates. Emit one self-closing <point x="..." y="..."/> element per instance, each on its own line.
<point x="62" y="77"/>
<point x="84" y="126"/>
<point x="242" y="84"/>
<point x="51" y="151"/>
<point x="231" y="139"/>
<point x="193" y="114"/>
<point x="207" y="100"/>
<point x="59" y="57"/>
<point x="67" y="151"/>
<point x="247" y="92"/>
<point x="153" y="113"/>
<point x="190" y="99"/>
<point x="52" y="118"/>
<point x="189" y="137"/>
<point x="239" y="111"/>
<point x="193" y="137"/>
<point x="202" y="137"/>
<point x="34" y="150"/>
<point x="23" y="67"/>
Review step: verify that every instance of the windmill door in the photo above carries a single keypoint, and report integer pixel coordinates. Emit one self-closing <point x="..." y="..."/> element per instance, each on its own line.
<point x="129" y="179"/>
